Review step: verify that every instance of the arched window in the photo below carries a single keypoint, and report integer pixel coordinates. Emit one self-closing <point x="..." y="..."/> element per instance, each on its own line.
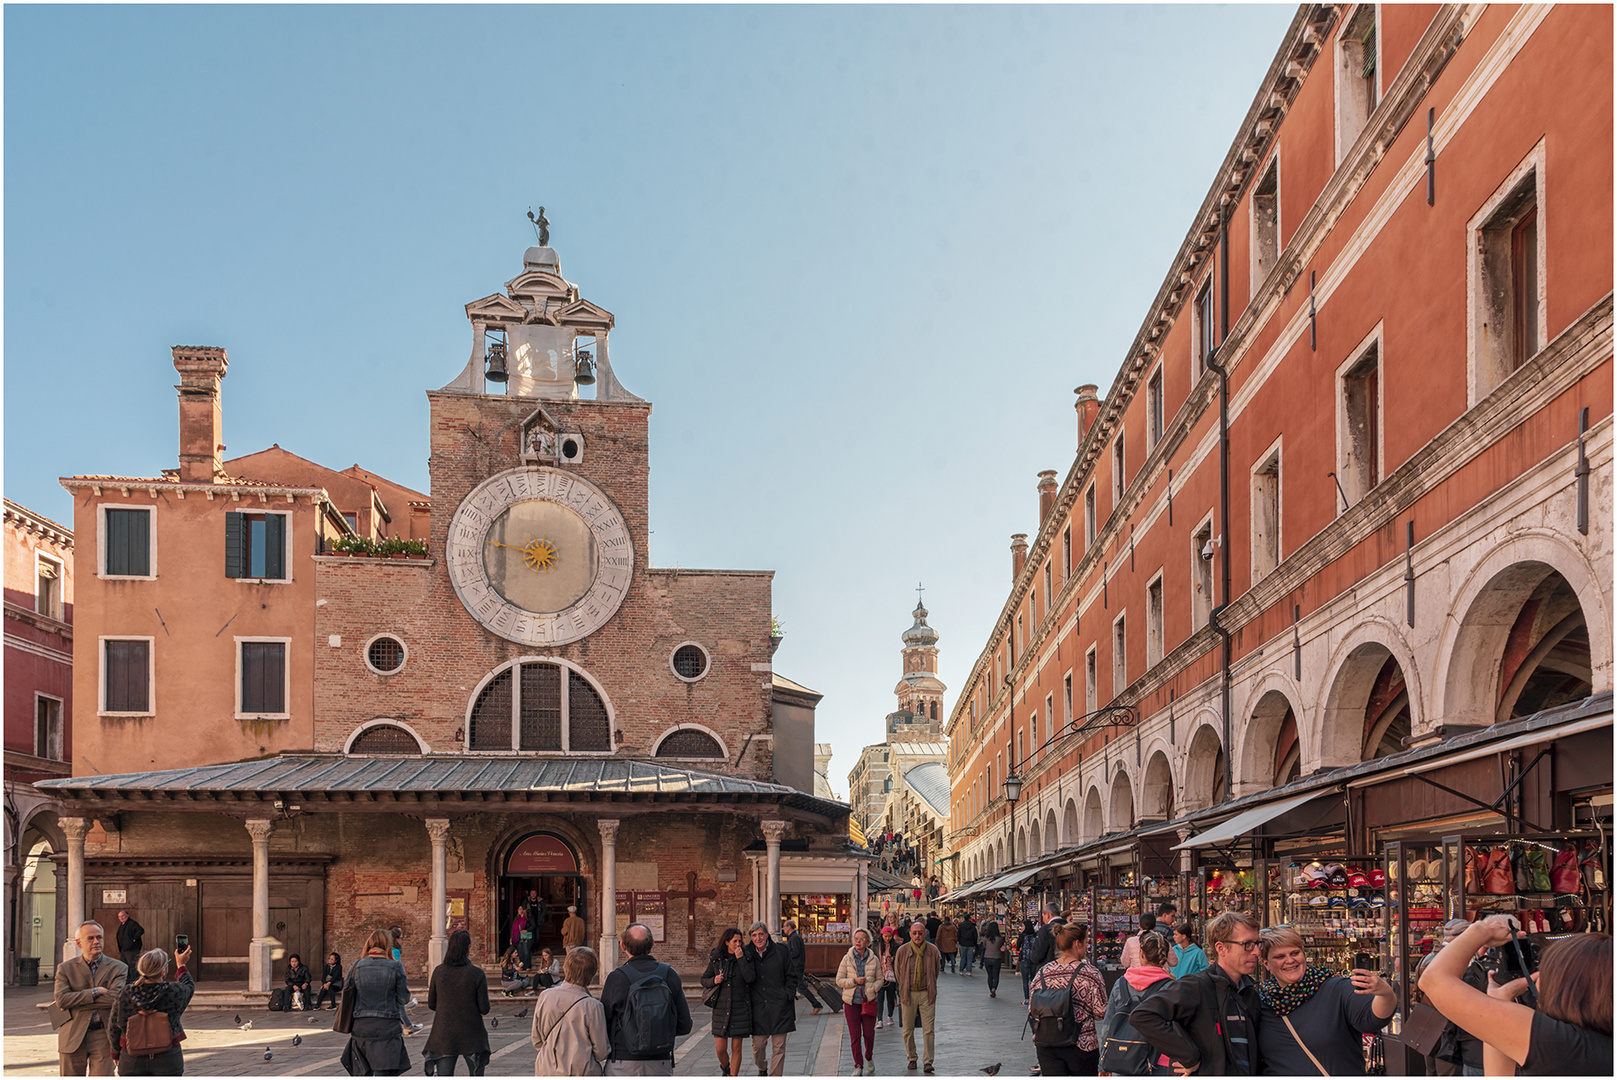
<point x="384" y="739"/>
<point x="539" y="705"/>
<point x="690" y="743"/>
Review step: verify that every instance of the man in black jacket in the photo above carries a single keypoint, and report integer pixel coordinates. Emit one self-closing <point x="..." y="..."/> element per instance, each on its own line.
<point x="968" y="943"/>
<point x="1044" y="946"/>
<point x="932" y="924"/>
<point x="774" y="989"/>
<point x="130" y="936"/>
<point x="1206" y="1023"/>
<point x="637" y="942"/>
<point x="799" y="955"/>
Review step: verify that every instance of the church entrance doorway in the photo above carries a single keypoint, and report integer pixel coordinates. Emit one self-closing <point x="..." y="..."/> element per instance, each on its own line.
<point x="540" y="875"/>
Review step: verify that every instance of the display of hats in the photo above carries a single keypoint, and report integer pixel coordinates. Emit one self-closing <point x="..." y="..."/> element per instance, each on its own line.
<point x="1417" y="869"/>
<point x="1358" y="880"/>
<point x="1339" y="877"/>
<point x="1339" y="902"/>
<point x="1359" y="903"/>
<point x="1378" y="901"/>
<point x="1317" y="901"/>
<point x="1378" y="878"/>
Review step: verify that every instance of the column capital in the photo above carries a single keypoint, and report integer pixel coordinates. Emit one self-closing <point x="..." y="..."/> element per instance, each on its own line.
<point x="609" y="829"/>
<point x="438" y="829"/>
<point x="260" y="829"/>
<point x="75" y="828"/>
<point x="774" y="829"/>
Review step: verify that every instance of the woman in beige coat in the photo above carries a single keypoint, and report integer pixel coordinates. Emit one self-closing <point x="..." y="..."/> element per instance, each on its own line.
<point x="859" y="979"/>
<point x="569" y="1026"/>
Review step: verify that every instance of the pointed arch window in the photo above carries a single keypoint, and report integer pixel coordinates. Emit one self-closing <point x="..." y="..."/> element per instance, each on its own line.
<point x="539" y="706"/>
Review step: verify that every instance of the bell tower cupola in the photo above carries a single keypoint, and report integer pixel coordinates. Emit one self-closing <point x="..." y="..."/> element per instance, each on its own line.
<point x="919" y="691"/>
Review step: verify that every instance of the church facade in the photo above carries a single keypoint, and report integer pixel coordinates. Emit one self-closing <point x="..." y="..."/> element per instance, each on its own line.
<point x="334" y="727"/>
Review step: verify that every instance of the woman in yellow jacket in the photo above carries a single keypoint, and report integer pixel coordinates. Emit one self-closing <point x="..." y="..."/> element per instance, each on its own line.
<point x="859" y="979"/>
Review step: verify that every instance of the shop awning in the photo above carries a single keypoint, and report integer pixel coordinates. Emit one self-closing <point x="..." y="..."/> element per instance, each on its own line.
<point x="1245" y="822"/>
<point x="882" y="881"/>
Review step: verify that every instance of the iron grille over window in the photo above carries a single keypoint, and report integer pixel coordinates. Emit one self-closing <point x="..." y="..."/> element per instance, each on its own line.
<point x="385" y="739"/>
<point x="491" y="716"/>
<point x="386" y="654"/>
<point x="541" y="707"/>
<point x="690" y="743"/>
<point x="555" y="710"/>
<point x="690" y="662"/>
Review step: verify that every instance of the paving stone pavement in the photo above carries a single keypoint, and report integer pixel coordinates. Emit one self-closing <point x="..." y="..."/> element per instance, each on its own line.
<point x="973" y="1031"/>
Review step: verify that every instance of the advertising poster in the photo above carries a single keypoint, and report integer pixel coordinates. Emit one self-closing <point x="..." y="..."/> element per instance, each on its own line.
<point x="459" y="904"/>
<point x="625" y="909"/>
<point x="651" y="908"/>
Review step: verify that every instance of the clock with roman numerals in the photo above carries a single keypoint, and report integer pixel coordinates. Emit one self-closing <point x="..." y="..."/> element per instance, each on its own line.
<point x="540" y="556"/>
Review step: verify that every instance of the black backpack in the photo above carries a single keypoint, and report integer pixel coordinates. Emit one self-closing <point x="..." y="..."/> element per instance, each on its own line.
<point x="650" y="1022"/>
<point x="280" y="999"/>
<point x="1123" y="1052"/>
<point x="1049" y="1011"/>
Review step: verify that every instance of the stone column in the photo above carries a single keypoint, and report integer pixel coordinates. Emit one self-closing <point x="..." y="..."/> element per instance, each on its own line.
<point x="438" y="943"/>
<point x="1187" y="857"/>
<point x="258" y="952"/>
<point x="75" y="828"/>
<point x="609" y="894"/>
<point x="861" y="901"/>
<point x="773" y="829"/>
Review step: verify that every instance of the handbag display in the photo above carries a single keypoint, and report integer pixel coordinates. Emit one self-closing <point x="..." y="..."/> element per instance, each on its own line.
<point x="1497" y="879"/>
<point x="1565" y="877"/>
<point x="1473" y="872"/>
<point x="1536" y="860"/>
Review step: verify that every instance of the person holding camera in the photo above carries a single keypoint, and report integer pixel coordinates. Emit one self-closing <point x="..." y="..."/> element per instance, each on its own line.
<point x="1568" y="1033"/>
<point x="1312" y="1022"/>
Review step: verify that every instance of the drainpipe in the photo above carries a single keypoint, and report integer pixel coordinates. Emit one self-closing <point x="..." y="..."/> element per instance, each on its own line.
<point x="1215" y="617"/>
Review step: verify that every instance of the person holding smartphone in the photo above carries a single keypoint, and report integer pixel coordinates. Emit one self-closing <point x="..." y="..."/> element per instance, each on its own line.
<point x="1312" y="1022"/>
<point x="1568" y="1034"/>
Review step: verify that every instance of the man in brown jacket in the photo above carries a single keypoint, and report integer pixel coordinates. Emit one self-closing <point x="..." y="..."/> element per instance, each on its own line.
<point x="87" y="986"/>
<point x="915" y="969"/>
<point x="573" y="931"/>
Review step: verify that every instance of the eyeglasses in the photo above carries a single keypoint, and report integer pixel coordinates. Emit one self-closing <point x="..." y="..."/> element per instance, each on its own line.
<point x="1246" y="946"/>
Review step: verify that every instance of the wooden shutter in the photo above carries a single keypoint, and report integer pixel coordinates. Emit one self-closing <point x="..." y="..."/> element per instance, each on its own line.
<point x="275" y="546"/>
<point x="127" y="671"/>
<point x="128" y="537"/>
<point x="235" y="545"/>
<point x="263" y="677"/>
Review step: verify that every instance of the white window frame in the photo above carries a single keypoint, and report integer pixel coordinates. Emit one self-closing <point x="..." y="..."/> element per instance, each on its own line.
<point x="707" y="668"/>
<point x="1156" y="408"/>
<point x="1119" y="469"/>
<point x="1271" y="453"/>
<point x="101" y="674"/>
<point x="724" y="747"/>
<point x="365" y="654"/>
<point x="1155" y="635"/>
<point x="1050" y="716"/>
<point x="1198" y="366"/>
<point x="59" y="736"/>
<point x="1091" y="677"/>
<point x="1066" y="693"/>
<point x="61" y="585"/>
<point x="1343" y="439"/>
<point x="101" y="542"/>
<point x="1120" y="654"/>
<point x="1479" y="383"/>
<point x="1200" y="610"/>
<point x="566" y="711"/>
<point x="1344" y="141"/>
<point x="385" y="721"/>
<point x="1091" y="514"/>
<point x="286" y="540"/>
<point x="286" y="679"/>
<point x="1258" y="274"/>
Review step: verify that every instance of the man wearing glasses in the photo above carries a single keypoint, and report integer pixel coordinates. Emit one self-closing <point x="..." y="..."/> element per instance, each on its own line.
<point x="1206" y="1023"/>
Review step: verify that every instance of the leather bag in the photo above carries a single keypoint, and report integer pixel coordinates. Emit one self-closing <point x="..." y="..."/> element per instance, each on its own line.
<point x="1497" y="879"/>
<point x="1565" y="876"/>
<point x="1537" y="862"/>
<point x="344" y="1022"/>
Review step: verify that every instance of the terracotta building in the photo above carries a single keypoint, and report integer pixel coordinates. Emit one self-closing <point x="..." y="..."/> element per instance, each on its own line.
<point x="1333" y="560"/>
<point x="423" y="740"/>
<point x="38" y="726"/>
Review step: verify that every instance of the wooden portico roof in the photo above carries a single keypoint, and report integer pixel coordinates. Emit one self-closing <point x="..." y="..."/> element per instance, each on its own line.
<point x="341" y="781"/>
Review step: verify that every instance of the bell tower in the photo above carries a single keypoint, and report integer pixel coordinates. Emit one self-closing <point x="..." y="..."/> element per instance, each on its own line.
<point x="919" y="691"/>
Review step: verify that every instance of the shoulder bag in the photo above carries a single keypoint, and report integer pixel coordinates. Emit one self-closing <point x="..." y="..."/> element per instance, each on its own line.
<point x="344" y="1021"/>
<point x="1323" y="1071"/>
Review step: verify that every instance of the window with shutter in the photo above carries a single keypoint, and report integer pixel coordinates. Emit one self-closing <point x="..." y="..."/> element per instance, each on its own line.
<point x="126" y="671"/>
<point x="127" y="547"/>
<point x="255" y="546"/>
<point x="263" y="677"/>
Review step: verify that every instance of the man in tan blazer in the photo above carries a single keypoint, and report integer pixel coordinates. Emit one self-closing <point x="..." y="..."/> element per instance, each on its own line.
<point x="573" y="931"/>
<point x="87" y="986"/>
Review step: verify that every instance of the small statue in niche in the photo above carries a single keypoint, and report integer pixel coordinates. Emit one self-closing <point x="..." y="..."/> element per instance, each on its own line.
<point x="541" y="443"/>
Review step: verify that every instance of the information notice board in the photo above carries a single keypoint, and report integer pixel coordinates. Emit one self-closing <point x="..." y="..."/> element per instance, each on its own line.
<point x="649" y="908"/>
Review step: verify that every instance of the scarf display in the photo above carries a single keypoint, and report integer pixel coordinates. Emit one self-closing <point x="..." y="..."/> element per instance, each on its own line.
<point x="1283" y="999"/>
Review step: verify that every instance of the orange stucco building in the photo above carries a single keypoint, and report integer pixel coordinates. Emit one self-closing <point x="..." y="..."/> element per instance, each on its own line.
<point x="1347" y="503"/>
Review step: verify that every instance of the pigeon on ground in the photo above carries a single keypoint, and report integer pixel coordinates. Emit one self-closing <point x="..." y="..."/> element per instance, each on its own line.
<point x="992" y="1070"/>
<point x="297" y="1040"/>
<point x="314" y="1019"/>
<point x="267" y="1053"/>
<point x="521" y="1014"/>
<point x="494" y="1021"/>
<point x="238" y="1018"/>
<point x="247" y="1026"/>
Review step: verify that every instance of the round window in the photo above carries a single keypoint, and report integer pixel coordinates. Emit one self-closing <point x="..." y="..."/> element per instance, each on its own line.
<point x="690" y="662"/>
<point x="385" y="654"/>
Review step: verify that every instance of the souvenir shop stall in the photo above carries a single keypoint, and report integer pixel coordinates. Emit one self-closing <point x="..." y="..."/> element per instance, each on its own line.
<point x="1160" y="879"/>
<point x="1337" y="903"/>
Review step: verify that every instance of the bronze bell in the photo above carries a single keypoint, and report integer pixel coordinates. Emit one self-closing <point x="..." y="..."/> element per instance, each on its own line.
<point x="496" y="362"/>
<point x="584" y="368"/>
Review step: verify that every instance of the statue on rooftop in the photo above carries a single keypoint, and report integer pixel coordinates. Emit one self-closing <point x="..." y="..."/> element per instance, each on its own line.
<point x="541" y="225"/>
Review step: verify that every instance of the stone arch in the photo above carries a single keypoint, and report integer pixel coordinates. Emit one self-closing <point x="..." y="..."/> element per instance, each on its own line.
<point x="999" y="856"/>
<point x="1204" y="769"/>
<point x="1069" y="824"/>
<point x="1051" y="836"/>
<point x="1035" y="846"/>
<point x="1122" y="802"/>
<point x="685" y="740"/>
<point x="1269" y="746"/>
<point x="1094" y="816"/>
<point x="44" y="818"/>
<point x="1370" y="706"/>
<point x="364" y="738"/>
<point x="1156" y="792"/>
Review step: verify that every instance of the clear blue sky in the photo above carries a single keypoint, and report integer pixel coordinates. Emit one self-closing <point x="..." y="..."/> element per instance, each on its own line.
<point x="859" y="257"/>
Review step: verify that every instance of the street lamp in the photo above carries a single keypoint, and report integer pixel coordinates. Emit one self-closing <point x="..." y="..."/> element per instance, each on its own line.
<point x="1013" y="791"/>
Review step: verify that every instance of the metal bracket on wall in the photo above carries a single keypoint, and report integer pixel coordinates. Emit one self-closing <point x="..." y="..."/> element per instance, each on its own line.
<point x="1582" y="473"/>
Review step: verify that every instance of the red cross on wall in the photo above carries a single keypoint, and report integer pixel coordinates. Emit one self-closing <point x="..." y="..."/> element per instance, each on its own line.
<point x="690" y="895"/>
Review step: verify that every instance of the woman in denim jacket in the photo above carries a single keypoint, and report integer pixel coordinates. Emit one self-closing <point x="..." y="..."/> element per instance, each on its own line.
<point x="376" y="1043"/>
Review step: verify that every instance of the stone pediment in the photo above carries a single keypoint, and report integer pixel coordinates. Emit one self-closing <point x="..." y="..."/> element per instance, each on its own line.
<point x="496" y="308"/>
<point x="542" y="285"/>
<point x="585" y="315"/>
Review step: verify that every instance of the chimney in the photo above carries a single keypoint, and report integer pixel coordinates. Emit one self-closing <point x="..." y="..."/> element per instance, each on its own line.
<point x="1088" y="407"/>
<point x="1047" y="494"/>
<point x="201" y="420"/>
<point x="1018" y="554"/>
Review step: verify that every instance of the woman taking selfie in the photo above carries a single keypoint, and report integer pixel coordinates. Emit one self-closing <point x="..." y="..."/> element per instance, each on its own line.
<point x="1312" y="1022"/>
<point x="150" y="1046"/>
<point x="1568" y="1034"/>
<point x="730" y="970"/>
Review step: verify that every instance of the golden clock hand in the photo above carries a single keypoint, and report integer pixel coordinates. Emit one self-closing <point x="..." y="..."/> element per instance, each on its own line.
<point x="513" y="547"/>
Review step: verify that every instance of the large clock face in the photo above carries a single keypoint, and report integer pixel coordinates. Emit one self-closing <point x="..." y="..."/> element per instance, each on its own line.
<point x="539" y="556"/>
